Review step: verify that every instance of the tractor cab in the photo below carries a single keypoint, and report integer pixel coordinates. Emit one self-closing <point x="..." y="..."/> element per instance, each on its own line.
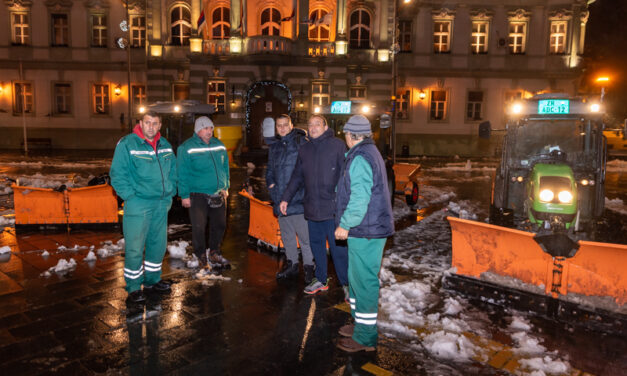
<point x="552" y="169"/>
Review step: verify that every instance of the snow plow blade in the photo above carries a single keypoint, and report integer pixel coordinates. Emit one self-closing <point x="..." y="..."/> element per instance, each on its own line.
<point x="262" y="224"/>
<point x="594" y="276"/>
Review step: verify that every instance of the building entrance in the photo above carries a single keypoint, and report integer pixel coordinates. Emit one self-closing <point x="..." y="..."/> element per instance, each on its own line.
<point x="264" y="99"/>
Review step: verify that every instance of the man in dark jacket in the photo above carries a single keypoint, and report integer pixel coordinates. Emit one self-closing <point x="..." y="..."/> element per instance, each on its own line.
<point x="318" y="170"/>
<point x="281" y="161"/>
<point x="364" y="217"/>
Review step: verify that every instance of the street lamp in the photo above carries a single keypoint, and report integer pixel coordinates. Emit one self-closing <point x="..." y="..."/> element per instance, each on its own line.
<point x="602" y="80"/>
<point x="394" y="49"/>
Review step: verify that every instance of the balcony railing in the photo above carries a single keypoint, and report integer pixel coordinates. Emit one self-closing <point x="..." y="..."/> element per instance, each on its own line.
<point x="317" y="49"/>
<point x="266" y="44"/>
<point x="216" y="46"/>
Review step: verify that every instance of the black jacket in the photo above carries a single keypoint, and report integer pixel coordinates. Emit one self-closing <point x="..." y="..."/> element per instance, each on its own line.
<point x="282" y="158"/>
<point x="318" y="170"/>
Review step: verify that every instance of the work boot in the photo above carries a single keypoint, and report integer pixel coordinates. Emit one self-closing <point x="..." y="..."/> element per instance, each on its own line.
<point x="315" y="287"/>
<point x="136" y="297"/>
<point x="159" y="287"/>
<point x="203" y="260"/>
<point x="309" y="273"/>
<point x="351" y="346"/>
<point x="290" y="271"/>
<point x="347" y="330"/>
<point x="217" y="261"/>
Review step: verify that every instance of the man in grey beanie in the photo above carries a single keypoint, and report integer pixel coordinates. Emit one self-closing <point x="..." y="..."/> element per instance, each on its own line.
<point x="203" y="185"/>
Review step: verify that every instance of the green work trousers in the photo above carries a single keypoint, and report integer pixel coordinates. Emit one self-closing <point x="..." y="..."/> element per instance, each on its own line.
<point x="145" y="227"/>
<point x="364" y="263"/>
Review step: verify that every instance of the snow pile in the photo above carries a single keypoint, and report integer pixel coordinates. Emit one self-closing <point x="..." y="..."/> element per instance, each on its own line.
<point x="616" y="205"/>
<point x="430" y="195"/>
<point x="62" y="267"/>
<point x="617" y="165"/>
<point x="448" y="345"/>
<point x="192" y="262"/>
<point x="45" y="181"/>
<point x="209" y="279"/>
<point x="462" y="210"/>
<point x="90" y="257"/>
<point x="177" y="249"/>
<point x="45" y="253"/>
<point x="75" y="248"/>
<point x="545" y="365"/>
<point x="5" y="249"/>
<point x="4" y="221"/>
<point x="108" y="248"/>
<point x="462" y="167"/>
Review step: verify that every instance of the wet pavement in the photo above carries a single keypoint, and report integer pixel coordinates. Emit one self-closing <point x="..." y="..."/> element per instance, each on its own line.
<point x="78" y="322"/>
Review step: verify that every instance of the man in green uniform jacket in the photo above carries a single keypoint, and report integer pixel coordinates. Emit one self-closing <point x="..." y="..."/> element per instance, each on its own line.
<point x="203" y="184"/>
<point x="143" y="174"/>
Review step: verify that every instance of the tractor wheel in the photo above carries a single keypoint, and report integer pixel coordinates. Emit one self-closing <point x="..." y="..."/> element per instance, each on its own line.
<point x="412" y="198"/>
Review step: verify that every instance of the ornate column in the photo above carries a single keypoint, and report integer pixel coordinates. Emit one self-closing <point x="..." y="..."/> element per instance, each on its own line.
<point x="236" y="10"/>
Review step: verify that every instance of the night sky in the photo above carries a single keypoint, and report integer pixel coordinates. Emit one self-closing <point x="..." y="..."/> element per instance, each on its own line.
<point x="606" y="52"/>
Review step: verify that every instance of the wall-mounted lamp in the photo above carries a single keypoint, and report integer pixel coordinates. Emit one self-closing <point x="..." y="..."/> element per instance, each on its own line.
<point x="317" y="109"/>
<point x="156" y="50"/>
<point x="195" y="45"/>
<point x="117" y="91"/>
<point x="235" y="45"/>
<point x="177" y="108"/>
<point x="422" y="95"/>
<point x="142" y="109"/>
<point x="340" y="47"/>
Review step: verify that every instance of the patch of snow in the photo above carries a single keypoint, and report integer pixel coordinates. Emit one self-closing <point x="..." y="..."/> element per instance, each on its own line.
<point x="193" y="262"/>
<point x="527" y="344"/>
<point x="544" y="365"/>
<point x="449" y="346"/>
<point x="617" y="165"/>
<point x="177" y="249"/>
<point x="62" y="267"/>
<point x="616" y="205"/>
<point x="519" y="323"/>
<point x="90" y="257"/>
<point x="5" y="249"/>
<point x="45" y="253"/>
<point x="108" y="248"/>
<point x="5" y="221"/>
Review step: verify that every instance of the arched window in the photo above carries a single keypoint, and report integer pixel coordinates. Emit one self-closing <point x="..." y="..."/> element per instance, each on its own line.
<point x="270" y="21"/>
<point x="360" y="29"/>
<point x="221" y="23"/>
<point x="180" y="21"/>
<point x="319" y="31"/>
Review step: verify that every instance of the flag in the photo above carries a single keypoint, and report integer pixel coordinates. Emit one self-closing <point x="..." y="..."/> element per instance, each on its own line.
<point x="325" y="20"/>
<point x="201" y="23"/>
<point x="286" y="19"/>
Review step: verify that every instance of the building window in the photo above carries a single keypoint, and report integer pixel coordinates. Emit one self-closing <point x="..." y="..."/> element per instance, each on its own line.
<point x="180" y="21"/>
<point x="320" y="94"/>
<point x="138" y="95"/>
<point x="270" y="21"/>
<point x="404" y="36"/>
<point x="20" y="28"/>
<point x="517" y="37"/>
<point x="62" y="97"/>
<point x="474" y="106"/>
<point x="180" y="92"/>
<point x="438" y="107"/>
<point x="23" y="98"/>
<point x="318" y="31"/>
<point x="441" y="36"/>
<point x="360" y="29"/>
<point x="216" y="94"/>
<point x="60" y="30"/>
<point x="357" y="92"/>
<point x="221" y="23"/>
<point x="100" y="99"/>
<point x="558" y="37"/>
<point x="98" y="30"/>
<point x="138" y="31"/>
<point x="403" y="99"/>
<point x="479" y="37"/>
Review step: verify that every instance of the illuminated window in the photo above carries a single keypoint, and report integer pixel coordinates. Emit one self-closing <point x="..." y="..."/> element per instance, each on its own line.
<point x="404" y="35"/>
<point x="100" y="99"/>
<point x="20" y="28"/>
<point x="62" y="97"/>
<point x="270" y="21"/>
<point x="138" y="30"/>
<point x="441" y="36"/>
<point x="180" y="21"/>
<point x="474" y="105"/>
<point x="319" y="31"/>
<point x="403" y="99"/>
<point x="216" y="94"/>
<point x="98" y="30"/>
<point x="320" y="94"/>
<point x="517" y="37"/>
<point x="359" y="29"/>
<point x="23" y="98"/>
<point x="138" y="95"/>
<point x="221" y="23"/>
<point x="479" y="37"/>
<point x="60" y="30"/>
<point x="438" y="108"/>
<point x="558" y="37"/>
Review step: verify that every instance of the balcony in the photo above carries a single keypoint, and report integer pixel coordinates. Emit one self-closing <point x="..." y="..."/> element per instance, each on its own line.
<point x="266" y="44"/>
<point x="321" y="49"/>
<point x="216" y="46"/>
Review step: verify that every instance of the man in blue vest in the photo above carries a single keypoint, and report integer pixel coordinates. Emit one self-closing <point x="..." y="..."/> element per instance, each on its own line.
<point x="364" y="217"/>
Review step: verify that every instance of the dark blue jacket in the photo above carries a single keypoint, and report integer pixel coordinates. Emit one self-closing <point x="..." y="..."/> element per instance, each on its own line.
<point x="318" y="170"/>
<point x="282" y="157"/>
<point x="378" y="221"/>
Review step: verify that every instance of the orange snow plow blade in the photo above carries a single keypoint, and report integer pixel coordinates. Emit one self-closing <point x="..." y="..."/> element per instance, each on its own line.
<point x="597" y="269"/>
<point x="95" y="204"/>
<point x="405" y="174"/>
<point x="262" y="224"/>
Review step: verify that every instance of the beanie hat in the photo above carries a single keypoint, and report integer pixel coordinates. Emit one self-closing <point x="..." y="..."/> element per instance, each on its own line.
<point x="357" y="124"/>
<point x="202" y="123"/>
<point x="268" y="127"/>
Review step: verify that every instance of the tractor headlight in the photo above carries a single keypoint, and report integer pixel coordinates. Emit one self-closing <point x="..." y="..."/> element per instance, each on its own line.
<point x="565" y="197"/>
<point x="546" y="195"/>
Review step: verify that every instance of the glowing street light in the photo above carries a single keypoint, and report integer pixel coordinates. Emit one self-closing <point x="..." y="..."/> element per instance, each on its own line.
<point x="603" y="80"/>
